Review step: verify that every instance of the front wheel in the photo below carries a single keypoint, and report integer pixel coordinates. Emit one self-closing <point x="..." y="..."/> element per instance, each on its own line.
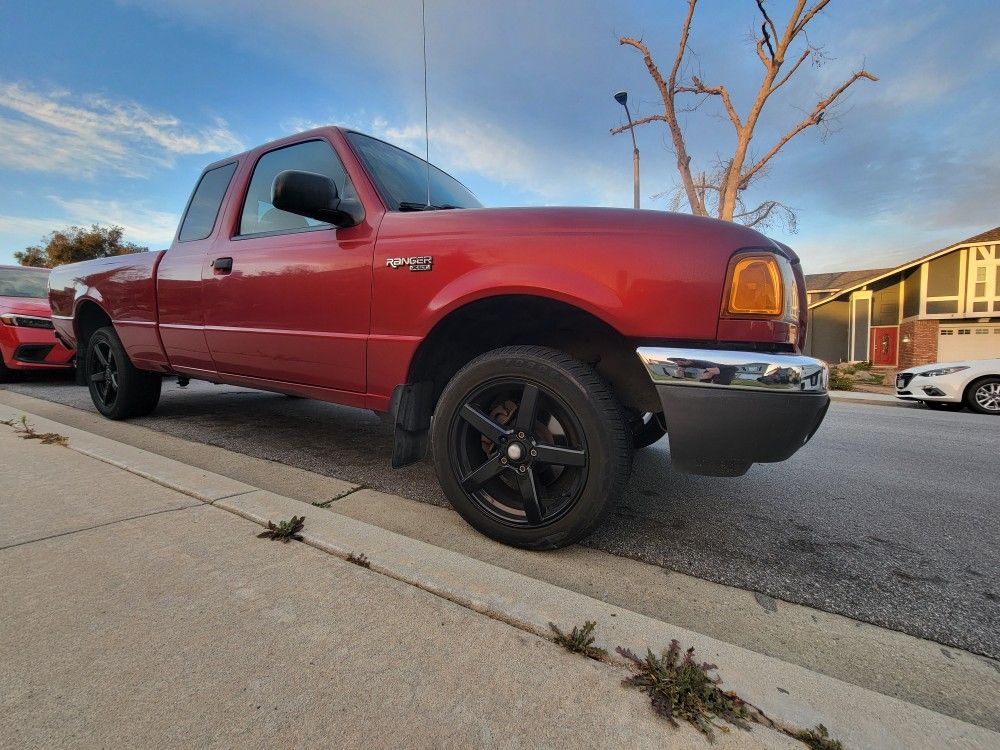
<point x="118" y="389"/>
<point x="984" y="396"/>
<point x="531" y="447"/>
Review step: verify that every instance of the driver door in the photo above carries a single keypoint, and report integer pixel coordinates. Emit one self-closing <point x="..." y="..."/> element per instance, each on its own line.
<point x="287" y="299"/>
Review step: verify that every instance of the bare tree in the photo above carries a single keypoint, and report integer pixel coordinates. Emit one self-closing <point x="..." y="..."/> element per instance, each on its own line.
<point x="718" y="191"/>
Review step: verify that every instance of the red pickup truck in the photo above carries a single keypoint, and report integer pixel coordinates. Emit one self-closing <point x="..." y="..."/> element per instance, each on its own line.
<point x="533" y="348"/>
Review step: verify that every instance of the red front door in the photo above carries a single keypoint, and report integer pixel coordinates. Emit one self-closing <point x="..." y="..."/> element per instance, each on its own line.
<point x="882" y="345"/>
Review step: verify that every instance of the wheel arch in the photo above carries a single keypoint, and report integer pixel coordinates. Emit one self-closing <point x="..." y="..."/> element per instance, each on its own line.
<point x="491" y="322"/>
<point x="88" y="318"/>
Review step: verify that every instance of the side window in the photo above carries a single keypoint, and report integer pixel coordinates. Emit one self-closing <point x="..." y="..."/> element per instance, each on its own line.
<point x="199" y="221"/>
<point x="259" y="216"/>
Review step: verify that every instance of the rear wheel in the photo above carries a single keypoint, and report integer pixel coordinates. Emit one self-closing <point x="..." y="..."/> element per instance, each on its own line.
<point x="944" y="405"/>
<point x="984" y="396"/>
<point x="119" y="390"/>
<point x="531" y="447"/>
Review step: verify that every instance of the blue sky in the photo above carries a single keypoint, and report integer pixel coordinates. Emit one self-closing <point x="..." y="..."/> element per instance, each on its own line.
<point x="109" y="110"/>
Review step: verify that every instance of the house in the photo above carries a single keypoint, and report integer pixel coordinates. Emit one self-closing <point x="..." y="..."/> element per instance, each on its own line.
<point x="943" y="306"/>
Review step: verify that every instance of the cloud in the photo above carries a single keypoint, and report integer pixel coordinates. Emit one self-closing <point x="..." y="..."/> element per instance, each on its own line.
<point x="143" y="225"/>
<point x="85" y="135"/>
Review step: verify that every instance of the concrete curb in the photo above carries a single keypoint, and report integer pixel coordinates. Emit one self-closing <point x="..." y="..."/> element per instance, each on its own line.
<point x="787" y="693"/>
<point x="859" y="397"/>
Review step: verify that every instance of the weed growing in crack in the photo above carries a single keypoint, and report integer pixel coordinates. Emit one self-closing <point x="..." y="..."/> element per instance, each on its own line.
<point x="580" y="640"/>
<point x="818" y="739"/>
<point x="681" y="689"/>
<point x="324" y="503"/>
<point x="359" y="559"/>
<point x="284" y="530"/>
<point x="27" y="431"/>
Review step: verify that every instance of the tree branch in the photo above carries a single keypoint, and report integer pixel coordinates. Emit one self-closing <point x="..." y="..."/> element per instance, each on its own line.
<point x="813" y="118"/>
<point x="637" y="123"/>
<point x="802" y="58"/>
<point x="668" y="89"/>
<point x="720" y="91"/>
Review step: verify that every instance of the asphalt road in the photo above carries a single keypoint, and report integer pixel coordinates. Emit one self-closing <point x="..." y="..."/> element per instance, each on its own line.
<point x="890" y="516"/>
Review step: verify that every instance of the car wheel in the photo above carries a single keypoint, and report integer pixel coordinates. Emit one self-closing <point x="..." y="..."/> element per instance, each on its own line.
<point x="984" y="396"/>
<point x="648" y="431"/>
<point x="944" y="405"/>
<point x="531" y="447"/>
<point x="7" y="375"/>
<point x="119" y="389"/>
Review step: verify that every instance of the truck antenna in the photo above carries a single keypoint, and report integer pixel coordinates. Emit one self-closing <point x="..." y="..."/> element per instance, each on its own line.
<point x="427" y="133"/>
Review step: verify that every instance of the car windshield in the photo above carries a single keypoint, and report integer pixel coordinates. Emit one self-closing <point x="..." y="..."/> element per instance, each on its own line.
<point x="17" y="282"/>
<point x="401" y="178"/>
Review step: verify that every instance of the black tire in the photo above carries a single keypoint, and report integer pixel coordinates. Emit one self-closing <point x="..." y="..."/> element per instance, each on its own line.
<point x="559" y="456"/>
<point x="648" y="431"/>
<point x="983" y="396"/>
<point x="7" y="375"/>
<point x="118" y="389"/>
<point x="944" y="405"/>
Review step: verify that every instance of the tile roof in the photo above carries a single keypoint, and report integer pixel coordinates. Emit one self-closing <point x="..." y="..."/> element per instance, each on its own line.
<point x="839" y="279"/>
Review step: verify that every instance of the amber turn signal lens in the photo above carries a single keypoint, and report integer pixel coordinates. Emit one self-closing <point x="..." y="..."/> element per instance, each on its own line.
<point x="756" y="288"/>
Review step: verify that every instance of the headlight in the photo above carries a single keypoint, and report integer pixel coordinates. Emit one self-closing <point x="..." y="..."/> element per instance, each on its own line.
<point x="755" y="286"/>
<point x="26" y="321"/>
<point x="941" y="371"/>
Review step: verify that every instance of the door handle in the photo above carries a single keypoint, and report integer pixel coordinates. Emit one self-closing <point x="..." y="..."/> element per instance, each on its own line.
<point x="222" y="265"/>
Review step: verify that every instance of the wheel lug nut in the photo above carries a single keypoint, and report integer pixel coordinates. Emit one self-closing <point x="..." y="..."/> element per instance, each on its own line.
<point x="521" y="435"/>
<point x="503" y="460"/>
<point x="534" y="452"/>
<point x="523" y="469"/>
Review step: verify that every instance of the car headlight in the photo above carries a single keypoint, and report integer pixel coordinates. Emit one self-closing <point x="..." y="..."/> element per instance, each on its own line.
<point x="26" y="321"/>
<point x="941" y="371"/>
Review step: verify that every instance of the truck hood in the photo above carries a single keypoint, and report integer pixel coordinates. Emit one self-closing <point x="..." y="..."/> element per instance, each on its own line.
<point x="26" y="306"/>
<point x="532" y="222"/>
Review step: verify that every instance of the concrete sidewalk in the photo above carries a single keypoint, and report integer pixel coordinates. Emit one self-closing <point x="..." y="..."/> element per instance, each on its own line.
<point x="877" y="399"/>
<point x="138" y="616"/>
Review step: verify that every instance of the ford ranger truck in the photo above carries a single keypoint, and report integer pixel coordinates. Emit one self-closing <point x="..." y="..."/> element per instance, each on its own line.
<point x="533" y="349"/>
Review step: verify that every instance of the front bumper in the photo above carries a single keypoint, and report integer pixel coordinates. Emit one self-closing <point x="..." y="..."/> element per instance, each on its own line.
<point x="727" y="410"/>
<point x="33" y="349"/>
<point x="916" y="387"/>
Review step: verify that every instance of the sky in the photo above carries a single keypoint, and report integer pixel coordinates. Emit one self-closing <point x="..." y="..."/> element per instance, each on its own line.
<point x="109" y="109"/>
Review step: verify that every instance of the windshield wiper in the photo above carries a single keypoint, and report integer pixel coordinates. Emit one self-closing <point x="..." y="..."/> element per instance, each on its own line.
<point x="411" y="206"/>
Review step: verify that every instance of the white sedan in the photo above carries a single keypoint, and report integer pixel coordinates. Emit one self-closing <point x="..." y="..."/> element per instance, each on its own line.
<point x="951" y="385"/>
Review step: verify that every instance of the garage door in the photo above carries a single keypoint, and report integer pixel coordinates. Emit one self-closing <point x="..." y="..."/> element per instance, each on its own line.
<point x="968" y="341"/>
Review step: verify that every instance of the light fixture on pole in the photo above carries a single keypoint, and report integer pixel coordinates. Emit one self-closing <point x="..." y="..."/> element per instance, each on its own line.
<point x="622" y="98"/>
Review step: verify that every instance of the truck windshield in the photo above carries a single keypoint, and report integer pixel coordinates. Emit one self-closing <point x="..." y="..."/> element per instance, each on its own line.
<point x="18" y="282"/>
<point x="401" y="178"/>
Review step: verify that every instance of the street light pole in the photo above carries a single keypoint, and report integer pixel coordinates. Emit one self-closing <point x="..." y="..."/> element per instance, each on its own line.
<point x="622" y="98"/>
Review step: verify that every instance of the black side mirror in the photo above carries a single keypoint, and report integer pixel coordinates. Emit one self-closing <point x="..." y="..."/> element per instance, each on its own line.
<point x="315" y="197"/>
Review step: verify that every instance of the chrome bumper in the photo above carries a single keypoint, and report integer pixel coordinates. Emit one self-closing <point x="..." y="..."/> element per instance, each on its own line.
<point x="727" y="410"/>
<point x="755" y="371"/>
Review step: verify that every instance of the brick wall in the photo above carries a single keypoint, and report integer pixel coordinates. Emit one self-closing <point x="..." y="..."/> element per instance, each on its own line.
<point x="918" y="343"/>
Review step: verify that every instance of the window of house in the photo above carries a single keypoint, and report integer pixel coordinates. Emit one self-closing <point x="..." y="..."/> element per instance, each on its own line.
<point x="260" y="216"/>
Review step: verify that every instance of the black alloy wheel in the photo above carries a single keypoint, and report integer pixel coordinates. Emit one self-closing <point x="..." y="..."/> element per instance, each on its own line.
<point x="520" y="452"/>
<point x="530" y="446"/>
<point x="103" y="368"/>
<point x="118" y="388"/>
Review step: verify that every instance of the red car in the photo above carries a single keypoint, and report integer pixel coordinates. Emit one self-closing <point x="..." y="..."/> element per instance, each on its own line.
<point x="533" y="348"/>
<point x="27" y="338"/>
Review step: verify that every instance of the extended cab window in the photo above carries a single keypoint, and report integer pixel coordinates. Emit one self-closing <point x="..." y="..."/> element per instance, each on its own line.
<point x="199" y="221"/>
<point x="401" y="177"/>
<point x="259" y="216"/>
